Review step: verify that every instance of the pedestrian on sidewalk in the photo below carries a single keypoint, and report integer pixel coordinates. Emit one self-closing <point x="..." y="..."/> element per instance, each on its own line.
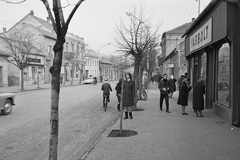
<point x="118" y="89"/>
<point x="106" y="88"/>
<point x="183" y="94"/>
<point x="164" y="91"/>
<point x="172" y="88"/>
<point x="198" y="100"/>
<point x="128" y="95"/>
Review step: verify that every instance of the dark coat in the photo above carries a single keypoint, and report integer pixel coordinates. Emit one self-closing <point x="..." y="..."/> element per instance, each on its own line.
<point x="183" y="94"/>
<point x="106" y="88"/>
<point x="198" y="92"/>
<point x="118" y="87"/>
<point x="172" y="84"/>
<point x="164" y="84"/>
<point x="128" y="93"/>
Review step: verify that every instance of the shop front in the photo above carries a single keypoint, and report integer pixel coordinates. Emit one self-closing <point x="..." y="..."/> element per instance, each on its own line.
<point x="212" y="54"/>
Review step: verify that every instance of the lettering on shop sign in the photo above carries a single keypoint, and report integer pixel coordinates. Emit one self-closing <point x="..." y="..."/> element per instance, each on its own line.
<point x="202" y="36"/>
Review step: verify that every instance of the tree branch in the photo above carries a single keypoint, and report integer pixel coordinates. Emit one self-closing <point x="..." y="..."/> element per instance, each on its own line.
<point x="46" y="4"/>
<point x="73" y="11"/>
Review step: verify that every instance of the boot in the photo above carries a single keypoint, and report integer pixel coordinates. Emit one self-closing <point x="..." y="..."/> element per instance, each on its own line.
<point x="130" y="114"/>
<point x="126" y="115"/>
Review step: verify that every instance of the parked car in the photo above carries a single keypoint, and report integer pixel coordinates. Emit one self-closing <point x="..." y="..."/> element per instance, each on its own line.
<point x="6" y="102"/>
<point x="89" y="80"/>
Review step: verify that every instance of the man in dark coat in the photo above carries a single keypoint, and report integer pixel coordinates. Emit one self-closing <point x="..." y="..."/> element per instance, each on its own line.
<point x="118" y="89"/>
<point x="183" y="94"/>
<point x="106" y="88"/>
<point x="198" y="100"/>
<point x="164" y="91"/>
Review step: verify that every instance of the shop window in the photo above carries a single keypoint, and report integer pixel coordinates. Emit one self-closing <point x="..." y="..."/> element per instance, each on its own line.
<point x="203" y="65"/>
<point x="223" y="74"/>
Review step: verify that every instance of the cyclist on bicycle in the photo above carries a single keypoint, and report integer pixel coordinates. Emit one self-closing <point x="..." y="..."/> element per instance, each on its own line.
<point x="106" y="88"/>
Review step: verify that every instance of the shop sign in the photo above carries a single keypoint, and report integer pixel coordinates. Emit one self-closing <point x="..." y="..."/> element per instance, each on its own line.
<point x="34" y="60"/>
<point x="202" y="36"/>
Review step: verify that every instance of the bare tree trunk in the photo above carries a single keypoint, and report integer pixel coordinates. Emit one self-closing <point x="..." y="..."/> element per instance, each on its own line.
<point x="22" y="80"/>
<point x="72" y="74"/>
<point x="140" y="82"/>
<point x="55" y="91"/>
<point x="81" y="75"/>
<point x="136" y="79"/>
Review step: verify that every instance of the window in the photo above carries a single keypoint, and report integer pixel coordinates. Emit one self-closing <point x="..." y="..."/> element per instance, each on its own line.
<point x="49" y="49"/>
<point x="72" y="47"/>
<point x="203" y="65"/>
<point x="66" y="46"/>
<point x="223" y="68"/>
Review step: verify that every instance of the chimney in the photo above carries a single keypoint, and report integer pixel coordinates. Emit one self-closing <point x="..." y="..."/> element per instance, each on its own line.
<point x="4" y="30"/>
<point x="32" y="12"/>
<point x="193" y="19"/>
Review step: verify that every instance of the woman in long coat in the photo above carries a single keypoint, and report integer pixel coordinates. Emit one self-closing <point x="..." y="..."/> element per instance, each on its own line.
<point x="183" y="94"/>
<point x="128" y="95"/>
<point x="172" y="87"/>
<point x="198" y="100"/>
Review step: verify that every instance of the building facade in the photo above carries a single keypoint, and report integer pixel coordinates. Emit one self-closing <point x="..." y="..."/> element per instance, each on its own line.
<point x="172" y="49"/>
<point x="212" y="51"/>
<point x="38" y="69"/>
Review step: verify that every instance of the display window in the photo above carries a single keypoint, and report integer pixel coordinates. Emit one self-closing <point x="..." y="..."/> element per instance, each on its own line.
<point x="223" y="74"/>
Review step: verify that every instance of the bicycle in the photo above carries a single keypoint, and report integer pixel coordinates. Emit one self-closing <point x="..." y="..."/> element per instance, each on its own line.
<point x="143" y="95"/>
<point x="105" y="101"/>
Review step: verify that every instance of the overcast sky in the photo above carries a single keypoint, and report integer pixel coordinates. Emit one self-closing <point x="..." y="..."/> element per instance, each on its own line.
<point x="96" y="20"/>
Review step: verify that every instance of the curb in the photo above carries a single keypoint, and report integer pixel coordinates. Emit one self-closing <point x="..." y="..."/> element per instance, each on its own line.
<point x="98" y="138"/>
<point x="92" y="142"/>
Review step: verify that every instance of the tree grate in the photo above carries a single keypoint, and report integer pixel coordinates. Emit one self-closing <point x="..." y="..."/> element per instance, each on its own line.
<point x="125" y="133"/>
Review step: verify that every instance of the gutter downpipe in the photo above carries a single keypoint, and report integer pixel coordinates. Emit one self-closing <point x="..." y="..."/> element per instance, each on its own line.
<point x="237" y="121"/>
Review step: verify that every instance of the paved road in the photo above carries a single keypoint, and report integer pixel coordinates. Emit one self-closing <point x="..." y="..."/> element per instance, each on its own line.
<point x="24" y="134"/>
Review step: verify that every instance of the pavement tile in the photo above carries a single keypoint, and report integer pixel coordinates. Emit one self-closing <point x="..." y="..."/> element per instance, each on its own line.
<point x="169" y="136"/>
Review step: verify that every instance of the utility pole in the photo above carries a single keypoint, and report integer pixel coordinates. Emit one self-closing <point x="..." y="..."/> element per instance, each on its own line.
<point x="198" y="6"/>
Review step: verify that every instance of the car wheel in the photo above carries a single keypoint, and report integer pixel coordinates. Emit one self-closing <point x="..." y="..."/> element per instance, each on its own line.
<point x="7" y="107"/>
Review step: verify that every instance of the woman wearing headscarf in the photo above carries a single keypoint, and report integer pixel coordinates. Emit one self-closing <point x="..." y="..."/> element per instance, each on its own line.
<point x="183" y="94"/>
<point x="172" y="87"/>
<point x="198" y="100"/>
<point x="128" y="95"/>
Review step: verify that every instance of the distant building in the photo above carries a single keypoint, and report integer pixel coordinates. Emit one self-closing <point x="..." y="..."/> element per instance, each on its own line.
<point x="38" y="69"/>
<point x="173" y="51"/>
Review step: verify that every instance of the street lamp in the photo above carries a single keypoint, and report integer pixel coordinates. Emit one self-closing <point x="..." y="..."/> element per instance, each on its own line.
<point x="130" y="14"/>
<point x="103" y="46"/>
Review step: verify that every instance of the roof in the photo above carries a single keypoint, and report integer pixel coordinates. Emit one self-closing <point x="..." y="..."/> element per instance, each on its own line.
<point x="205" y="12"/>
<point x="178" y="30"/>
<point x="171" y="55"/>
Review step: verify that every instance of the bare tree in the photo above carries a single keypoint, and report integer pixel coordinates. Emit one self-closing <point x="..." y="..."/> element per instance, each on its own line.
<point x="60" y="26"/>
<point x="135" y="40"/>
<point x="21" y="47"/>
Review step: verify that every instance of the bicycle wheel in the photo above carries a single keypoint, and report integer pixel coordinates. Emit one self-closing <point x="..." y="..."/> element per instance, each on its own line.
<point x="105" y="103"/>
<point x="144" y="95"/>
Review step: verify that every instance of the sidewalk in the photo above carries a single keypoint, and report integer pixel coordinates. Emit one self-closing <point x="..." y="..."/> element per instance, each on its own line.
<point x="169" y="136"/>
<point x="16" y="89"/>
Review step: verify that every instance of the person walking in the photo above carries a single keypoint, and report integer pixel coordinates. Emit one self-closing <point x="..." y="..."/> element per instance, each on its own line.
<point x="183" y="94"/>
<point x="172" y="88"/>
<point x="164" y="91"/>
<point x="106" y="88"/>
<point x="198" y="100"/>
<point x="128" y="95"/>
<point x="118" y="89"/>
